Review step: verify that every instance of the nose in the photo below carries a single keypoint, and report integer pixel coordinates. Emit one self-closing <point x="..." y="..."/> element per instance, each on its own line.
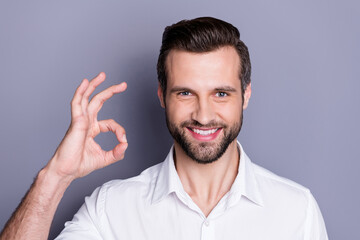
<point x="203" y="111"/>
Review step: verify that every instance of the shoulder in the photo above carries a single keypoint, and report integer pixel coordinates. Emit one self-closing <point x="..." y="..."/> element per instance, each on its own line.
<point x="281" y="189"/>
<point x="270" y="177"/>
<point x="288" y="198"/>
<point x="138" y="186"/>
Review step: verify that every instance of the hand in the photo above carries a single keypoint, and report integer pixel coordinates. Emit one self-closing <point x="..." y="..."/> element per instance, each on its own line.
<point x="78" y="154"/>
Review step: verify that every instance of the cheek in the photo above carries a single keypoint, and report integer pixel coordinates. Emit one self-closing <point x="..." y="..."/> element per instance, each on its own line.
<point x="178" y="111"/>
<point x="229" y="112"/>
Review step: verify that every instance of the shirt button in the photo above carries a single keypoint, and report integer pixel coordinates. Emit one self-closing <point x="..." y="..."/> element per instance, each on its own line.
<point x="207" y="223"/>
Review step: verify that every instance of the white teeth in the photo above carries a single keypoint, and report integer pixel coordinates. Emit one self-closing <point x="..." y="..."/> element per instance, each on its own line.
<point x="204" y="133"/>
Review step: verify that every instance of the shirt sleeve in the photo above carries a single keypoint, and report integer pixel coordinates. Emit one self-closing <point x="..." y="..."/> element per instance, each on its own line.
<point x="86" y="223"/>
<point x="315" y="226"/>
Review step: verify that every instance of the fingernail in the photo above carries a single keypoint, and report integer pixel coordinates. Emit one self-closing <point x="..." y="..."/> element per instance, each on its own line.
<point x="124" y="138"/>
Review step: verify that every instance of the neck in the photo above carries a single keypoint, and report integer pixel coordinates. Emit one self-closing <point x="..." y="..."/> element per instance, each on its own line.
<point x="206" y="184"/>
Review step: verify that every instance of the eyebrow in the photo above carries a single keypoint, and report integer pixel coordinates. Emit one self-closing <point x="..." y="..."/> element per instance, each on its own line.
<point x="179" y="89"/>
<point x="186" y="89"/>
<point x="225" y="89"/>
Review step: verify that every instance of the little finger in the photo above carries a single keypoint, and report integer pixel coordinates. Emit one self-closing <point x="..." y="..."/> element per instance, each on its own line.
<point x="99" y="99"/>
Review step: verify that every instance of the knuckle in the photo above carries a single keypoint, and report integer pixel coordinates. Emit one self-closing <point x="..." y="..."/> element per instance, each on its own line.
<point x="121" y="129"/>
<point x="122" y="157"/>
<point x="101" y="101"/>
<point x="98" y="100"/>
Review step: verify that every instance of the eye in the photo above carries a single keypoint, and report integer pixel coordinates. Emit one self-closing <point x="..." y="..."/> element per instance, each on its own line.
<point x="221" y="94"/>
<point x="185" y="93"/>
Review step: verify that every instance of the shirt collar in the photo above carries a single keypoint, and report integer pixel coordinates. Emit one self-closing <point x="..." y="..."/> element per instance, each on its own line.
<point x="168" y="180"/>
<point x="245" y="183"/>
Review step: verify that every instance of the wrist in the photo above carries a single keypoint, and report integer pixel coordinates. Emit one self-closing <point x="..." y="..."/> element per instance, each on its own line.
<point x="58" y="171"/>
<point x="52" y="183"/>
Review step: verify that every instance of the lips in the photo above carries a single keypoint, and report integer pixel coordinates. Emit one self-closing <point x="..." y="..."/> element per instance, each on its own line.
<point x="204" y="134"/>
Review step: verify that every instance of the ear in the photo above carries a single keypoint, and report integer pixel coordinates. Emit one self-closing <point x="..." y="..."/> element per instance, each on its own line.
<point x="161" y="96"/>
<point x="247" y="95"/>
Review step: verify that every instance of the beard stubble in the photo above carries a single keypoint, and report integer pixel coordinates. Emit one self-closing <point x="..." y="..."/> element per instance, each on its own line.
<point x="204" y="152"/>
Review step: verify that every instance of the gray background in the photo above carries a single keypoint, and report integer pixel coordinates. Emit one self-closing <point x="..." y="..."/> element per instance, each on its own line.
<point x="302" y="122"/>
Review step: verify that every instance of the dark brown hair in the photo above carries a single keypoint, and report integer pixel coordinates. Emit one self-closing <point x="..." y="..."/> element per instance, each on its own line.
<point x="199" y="35"/>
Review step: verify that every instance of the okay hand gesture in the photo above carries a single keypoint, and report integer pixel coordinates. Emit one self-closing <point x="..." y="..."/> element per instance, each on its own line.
<point x="78" y="154"/>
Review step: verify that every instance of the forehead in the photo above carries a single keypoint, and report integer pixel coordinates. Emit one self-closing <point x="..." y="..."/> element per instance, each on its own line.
<point x="221" y="66"/>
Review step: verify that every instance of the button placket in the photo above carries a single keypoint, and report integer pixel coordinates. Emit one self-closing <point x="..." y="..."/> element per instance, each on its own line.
<point x="207" y="230"/>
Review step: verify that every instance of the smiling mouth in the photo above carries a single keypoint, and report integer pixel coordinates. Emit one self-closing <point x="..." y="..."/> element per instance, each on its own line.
<point x="203" y="132"/>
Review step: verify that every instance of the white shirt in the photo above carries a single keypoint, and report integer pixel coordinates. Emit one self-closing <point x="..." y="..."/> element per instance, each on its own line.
<point x="154" y="205"/>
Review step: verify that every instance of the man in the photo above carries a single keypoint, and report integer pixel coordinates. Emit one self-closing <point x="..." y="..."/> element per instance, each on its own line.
<point x="207" y="187"/>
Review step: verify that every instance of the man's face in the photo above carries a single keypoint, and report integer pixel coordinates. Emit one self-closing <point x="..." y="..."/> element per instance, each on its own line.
<point x="204" y="101"/>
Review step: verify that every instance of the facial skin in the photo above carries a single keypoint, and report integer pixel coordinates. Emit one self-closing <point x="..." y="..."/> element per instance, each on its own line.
<point x="204" y="101"/>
